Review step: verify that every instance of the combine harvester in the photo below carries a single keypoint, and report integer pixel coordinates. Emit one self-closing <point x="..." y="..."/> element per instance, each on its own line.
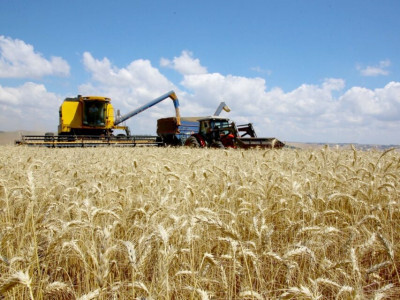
<point x="213" y="131"/>
<point x="89" y="122"/>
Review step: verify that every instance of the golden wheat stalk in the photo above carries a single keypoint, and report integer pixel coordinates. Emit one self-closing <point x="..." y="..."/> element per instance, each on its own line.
<point x="15" y="279"/>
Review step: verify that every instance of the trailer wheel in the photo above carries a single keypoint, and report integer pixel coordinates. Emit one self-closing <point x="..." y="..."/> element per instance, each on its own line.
<point x="192" y="142"/>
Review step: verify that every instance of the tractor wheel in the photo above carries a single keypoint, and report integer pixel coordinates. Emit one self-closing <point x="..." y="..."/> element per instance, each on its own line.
<point x="218" y="144"/>
<point x="192" y="142"/>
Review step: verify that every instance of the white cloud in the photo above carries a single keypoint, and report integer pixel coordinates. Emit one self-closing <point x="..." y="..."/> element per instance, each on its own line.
<point x="184" y="64"/>
<point x="139" y="77"/>
<point x="260" y="70"/>
<point x="19" y="60"/>
<point x="129" y="87"/>
<point x="28" y="107"/>
<point x="215" y="85"/>
<point x="325" y="112"/>
<point x="307" y="113"/>
<point x="380" y="104"/>
<point x="372" y="71"/>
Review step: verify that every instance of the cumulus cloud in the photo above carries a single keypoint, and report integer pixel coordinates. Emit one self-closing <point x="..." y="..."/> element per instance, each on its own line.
<point x="311" y="112"/>
<point x="184" y="64"/>
<point x="138" y="77"/>
<point x="380" y="104"/>
<point x="129" y="87"/>
<point x="28" y="107"/>
<point x="19" y="60"/>
<point x="380" y="69"/>
<point x="323" y="112"/>
<point x="358" y="115"/>
<point x="215" y="85"/>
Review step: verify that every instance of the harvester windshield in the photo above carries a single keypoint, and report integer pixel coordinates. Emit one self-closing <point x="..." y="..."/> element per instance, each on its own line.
<point x="94" y="113"/>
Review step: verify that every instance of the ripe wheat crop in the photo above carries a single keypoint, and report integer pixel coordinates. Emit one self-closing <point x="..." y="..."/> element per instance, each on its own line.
<point x="165" y="223"/>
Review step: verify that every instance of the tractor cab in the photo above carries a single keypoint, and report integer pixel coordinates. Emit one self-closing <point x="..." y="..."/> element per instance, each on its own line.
<point x="213" y="128"/>
<point x="213" y="124"/>
<point x="221" y="125"/>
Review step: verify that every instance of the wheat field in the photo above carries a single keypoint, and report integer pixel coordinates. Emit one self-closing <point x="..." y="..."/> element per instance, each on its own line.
<point x="165" y="223"/>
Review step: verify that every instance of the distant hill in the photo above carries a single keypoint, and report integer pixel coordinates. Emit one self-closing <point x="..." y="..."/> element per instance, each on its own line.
<point x="341" y="146"/>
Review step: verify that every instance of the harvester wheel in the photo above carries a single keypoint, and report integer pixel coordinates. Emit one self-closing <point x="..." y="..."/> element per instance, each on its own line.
<point x="192" y="142"/>
<point x="217" y="144"/>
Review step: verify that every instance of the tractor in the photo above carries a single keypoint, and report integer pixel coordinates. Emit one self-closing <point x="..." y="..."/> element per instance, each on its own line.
<point x="220" y="132"/>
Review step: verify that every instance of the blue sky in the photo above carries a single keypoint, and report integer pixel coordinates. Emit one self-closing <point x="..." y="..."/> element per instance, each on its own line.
<point x="309" y="71"/>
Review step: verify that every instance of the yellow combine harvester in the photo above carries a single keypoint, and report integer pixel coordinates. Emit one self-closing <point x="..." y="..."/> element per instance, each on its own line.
<point x="91" y="121"/>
